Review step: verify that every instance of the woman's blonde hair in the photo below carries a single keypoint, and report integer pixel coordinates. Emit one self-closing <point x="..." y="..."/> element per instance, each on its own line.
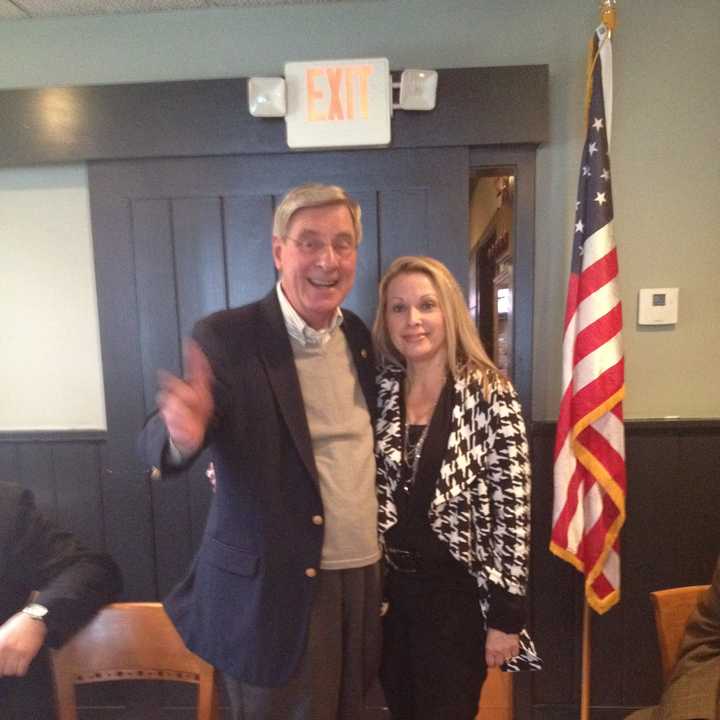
<point x="465" y="350"/>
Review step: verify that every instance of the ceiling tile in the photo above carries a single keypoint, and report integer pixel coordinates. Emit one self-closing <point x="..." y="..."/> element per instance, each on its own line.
<point x="45" y="8"/>
<point x="59" y="8"/>
<point x="8" y="10"/>
<point x="260" y="3"/>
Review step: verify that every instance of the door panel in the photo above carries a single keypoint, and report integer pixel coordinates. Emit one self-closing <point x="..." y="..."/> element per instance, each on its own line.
<point x="248" y="254"/>
<point x="177" y="239"/>
<point x="363" y="297"/>
<point x="155" y="288"/>
<point x="199" y="259"/>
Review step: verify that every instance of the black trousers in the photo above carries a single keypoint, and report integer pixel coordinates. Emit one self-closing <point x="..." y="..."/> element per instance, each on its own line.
<point x="433" y="662"/>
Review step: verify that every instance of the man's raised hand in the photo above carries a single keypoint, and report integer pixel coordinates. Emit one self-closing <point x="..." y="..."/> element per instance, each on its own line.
<point x="186" y="405"/>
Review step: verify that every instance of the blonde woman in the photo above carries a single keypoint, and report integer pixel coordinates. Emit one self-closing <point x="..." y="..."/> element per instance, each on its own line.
<point x="453" y="488"/>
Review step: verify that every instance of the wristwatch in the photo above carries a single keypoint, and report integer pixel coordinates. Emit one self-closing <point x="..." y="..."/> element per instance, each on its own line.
<point x="35" y="611"/>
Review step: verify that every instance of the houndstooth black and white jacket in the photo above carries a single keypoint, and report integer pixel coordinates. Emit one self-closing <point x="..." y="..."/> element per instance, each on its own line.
<point x="481" y="507"/>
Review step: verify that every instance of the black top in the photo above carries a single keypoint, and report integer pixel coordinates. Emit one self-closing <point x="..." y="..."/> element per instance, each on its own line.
<point x="413" y="532"/>
<point x="414" y="495"/>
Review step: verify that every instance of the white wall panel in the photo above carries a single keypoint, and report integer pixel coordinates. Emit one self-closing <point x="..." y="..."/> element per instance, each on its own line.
<point x="50" y="367"/>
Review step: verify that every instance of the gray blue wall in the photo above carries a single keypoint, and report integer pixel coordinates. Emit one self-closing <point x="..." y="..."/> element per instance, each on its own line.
<point x="665" y="138"/>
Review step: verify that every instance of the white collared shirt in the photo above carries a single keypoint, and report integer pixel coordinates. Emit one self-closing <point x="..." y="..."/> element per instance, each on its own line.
<point x="299" y="330"/>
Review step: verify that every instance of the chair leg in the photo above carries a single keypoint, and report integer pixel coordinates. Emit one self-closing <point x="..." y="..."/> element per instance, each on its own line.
<point x="207" y="707"/>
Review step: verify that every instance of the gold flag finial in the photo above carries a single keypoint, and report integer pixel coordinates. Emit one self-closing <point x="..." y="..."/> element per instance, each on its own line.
<point x="608" y="16"/>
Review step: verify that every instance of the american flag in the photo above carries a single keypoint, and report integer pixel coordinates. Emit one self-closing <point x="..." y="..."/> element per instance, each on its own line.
<point x="589" y="470"/>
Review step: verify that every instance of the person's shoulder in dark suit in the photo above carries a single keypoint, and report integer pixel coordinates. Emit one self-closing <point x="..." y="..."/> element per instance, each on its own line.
<point x="71" y="580"/>
<point x="228" y="330"/>
<point x="69" y="583"/>
<point x="357" y="327"/>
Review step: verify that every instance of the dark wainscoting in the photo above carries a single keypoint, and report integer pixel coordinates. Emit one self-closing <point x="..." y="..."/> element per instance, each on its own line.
<point x="63" y="469"/>
<point x="671" y="538"/>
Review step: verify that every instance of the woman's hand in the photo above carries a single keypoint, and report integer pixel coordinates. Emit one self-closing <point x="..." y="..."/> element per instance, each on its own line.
<point x="499" y="647"/>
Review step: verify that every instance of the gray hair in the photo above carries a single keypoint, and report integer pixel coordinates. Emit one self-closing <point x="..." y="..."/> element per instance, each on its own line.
<point x="313" y="195"/>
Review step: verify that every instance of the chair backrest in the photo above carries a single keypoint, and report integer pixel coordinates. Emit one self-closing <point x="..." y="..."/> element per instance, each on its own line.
<point x="129" y="641"/>
<point x="672" y="609"/>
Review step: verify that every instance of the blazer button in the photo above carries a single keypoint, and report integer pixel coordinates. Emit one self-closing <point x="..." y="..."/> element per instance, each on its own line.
<point x="364" y="354"/>
<point x="311" y="572"/>
<point x="155" y="473"/>
<point x="317" y="520"/>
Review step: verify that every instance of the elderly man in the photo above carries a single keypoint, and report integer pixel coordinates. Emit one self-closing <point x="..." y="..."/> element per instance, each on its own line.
<point x="283" y="595"/>
<point x="693" y="692"/>
<point x="69" y="583"/>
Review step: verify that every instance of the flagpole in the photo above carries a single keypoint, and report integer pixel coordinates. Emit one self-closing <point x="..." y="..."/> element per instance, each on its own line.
<point x="585" y="681"/>
<point x="589" y="474"/>
<point x="607" y="14"/>
<point x="609" y="19"/>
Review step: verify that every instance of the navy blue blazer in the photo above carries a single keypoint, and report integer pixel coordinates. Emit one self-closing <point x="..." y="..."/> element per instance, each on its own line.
<point x="245" y="603"/>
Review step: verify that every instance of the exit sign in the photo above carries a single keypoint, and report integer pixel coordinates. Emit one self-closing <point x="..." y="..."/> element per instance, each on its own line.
<point x="338" y="103"/>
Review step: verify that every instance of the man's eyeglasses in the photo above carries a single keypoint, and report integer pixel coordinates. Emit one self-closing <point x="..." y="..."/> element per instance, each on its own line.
<point x="343" y="245"/>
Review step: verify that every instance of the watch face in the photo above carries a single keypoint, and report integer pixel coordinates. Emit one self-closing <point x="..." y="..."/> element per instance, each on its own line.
<point x="36" y="611"/>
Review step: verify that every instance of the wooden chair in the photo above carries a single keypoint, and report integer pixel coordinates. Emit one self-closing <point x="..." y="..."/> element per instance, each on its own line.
<point x="672" y="609"/>
<point x="496" y="701"/>
<point x="129" y="641"/>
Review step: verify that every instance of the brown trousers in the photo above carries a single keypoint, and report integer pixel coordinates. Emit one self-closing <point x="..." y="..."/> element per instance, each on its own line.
<point x="340" y="662"/>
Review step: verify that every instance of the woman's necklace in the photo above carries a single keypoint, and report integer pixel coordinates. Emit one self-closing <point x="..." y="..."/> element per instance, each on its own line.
<point x="413" y="450"/>
<point x="411" y="455"/>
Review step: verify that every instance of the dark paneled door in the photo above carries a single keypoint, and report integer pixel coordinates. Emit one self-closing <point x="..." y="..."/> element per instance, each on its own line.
<point x="176" y="239"/>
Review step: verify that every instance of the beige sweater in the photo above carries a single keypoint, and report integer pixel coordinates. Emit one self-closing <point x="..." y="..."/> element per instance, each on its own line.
<point x="342" y="440"/>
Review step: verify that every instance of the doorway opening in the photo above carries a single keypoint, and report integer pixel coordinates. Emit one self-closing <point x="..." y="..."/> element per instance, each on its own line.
<point x="491" y="286"/>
